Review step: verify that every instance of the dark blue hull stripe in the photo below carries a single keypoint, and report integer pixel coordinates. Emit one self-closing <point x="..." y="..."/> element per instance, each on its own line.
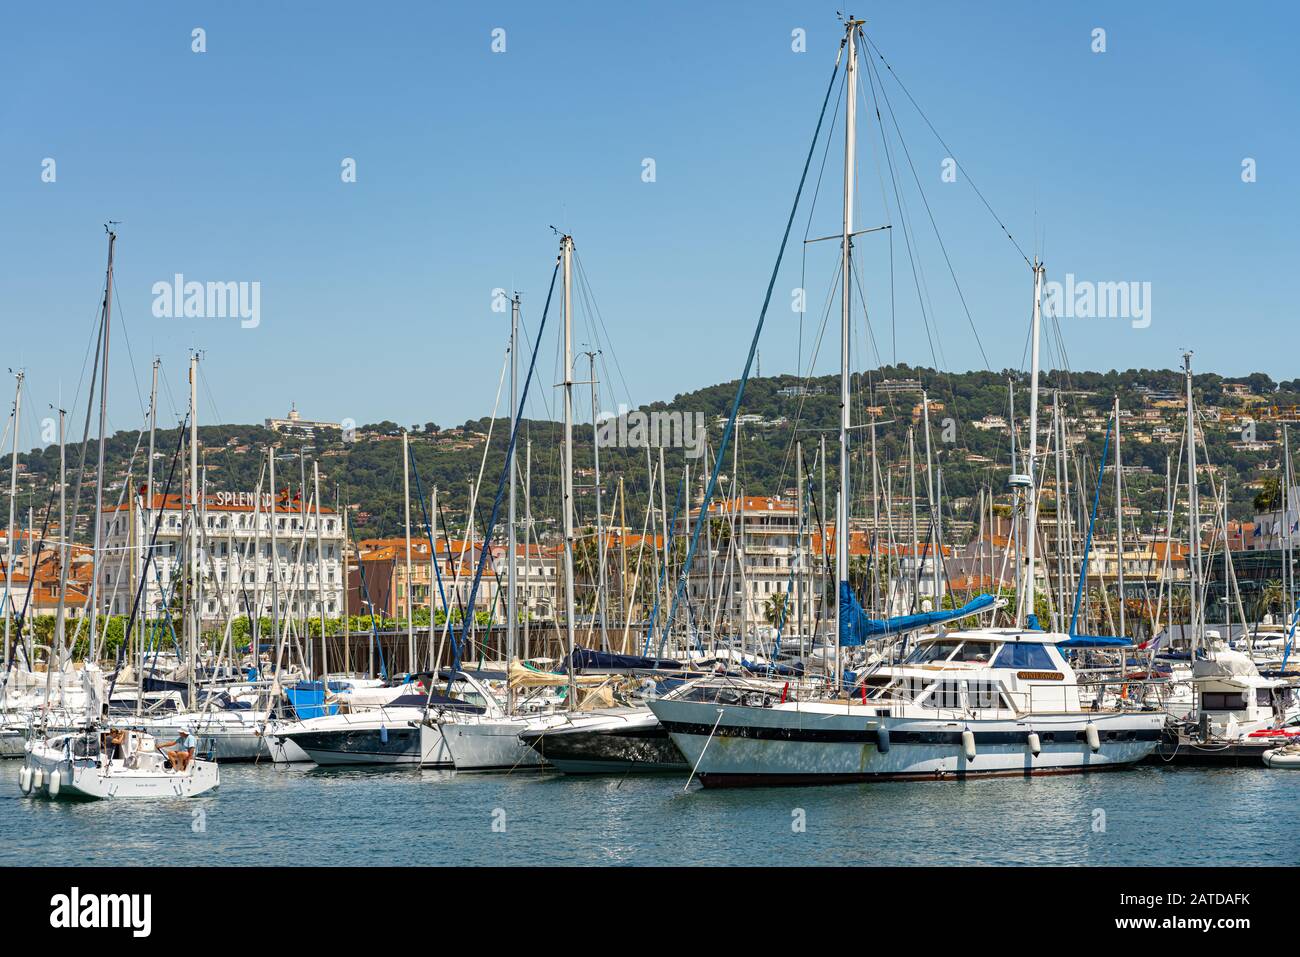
<point x="900" y="737"/>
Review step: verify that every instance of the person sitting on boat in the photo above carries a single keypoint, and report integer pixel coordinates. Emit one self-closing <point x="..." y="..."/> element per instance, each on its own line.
<point x="186" y="743"/>
<point x="117" y="743"/>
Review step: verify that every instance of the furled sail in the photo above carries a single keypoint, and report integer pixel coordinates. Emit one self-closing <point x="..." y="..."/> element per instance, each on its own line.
<point x="856" y="627"/>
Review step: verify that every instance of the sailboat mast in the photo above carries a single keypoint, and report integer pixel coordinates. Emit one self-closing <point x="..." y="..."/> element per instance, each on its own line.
<point x="528" y="527"/>
<point x="566" y="254"/>
<point x="99" y="470"/>
<point x="846" y="302"/>
<point x="1119" y="521"/>
<point x="275" y="570"/>
<point x="65" y="550"/>
<point x="13" y="501"/>
<point x="146" y="537"/>
<point x="406" y="501"/>
<point x="1031" y="453"/>
<point x="512" y="535"/>
<point x="320" y="578"/>
<point x="192" y="645"/>
<point x="1193" y="504"/>
<point x="601" y="606"/>
<point x="931" y="503"/>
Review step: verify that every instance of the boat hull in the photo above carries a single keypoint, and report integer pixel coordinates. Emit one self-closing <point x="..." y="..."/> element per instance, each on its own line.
<point x="355" y="746"/>
<point x="86" y="779"/>
<point x="618" y="744"/>
<point x="493" y="744"/>
<point x="393" y="737"/>
<point x="734" y="746"/>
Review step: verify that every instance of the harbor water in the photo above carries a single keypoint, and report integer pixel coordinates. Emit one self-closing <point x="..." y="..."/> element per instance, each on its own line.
<point x="303" y="815"/>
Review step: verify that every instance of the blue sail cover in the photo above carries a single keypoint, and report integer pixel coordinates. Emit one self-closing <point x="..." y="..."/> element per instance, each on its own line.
<point x="591" y="659"/>
<point x="1094" y="641"/>
<point x="856" y="627"/>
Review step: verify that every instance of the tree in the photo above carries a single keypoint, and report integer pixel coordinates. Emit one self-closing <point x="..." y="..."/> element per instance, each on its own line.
<point x="1269" y="498"/>
<point x="775" y="608"/>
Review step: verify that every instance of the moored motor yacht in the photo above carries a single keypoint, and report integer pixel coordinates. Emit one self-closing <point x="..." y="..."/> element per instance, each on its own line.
<point x="962" y="704"/>
<point x="389" y="733"/>
<point x="1233" y="700"/>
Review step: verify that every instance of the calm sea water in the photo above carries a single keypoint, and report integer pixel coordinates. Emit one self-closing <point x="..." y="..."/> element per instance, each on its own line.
<point x="311" y="816"/>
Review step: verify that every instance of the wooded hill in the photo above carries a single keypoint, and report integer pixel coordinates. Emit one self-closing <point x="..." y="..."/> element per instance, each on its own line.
<point x="366" y="472"/>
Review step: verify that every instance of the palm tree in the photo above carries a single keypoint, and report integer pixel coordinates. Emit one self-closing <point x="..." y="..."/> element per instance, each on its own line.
<point x="776" y="608"/>
<point x="1271" y="597"/>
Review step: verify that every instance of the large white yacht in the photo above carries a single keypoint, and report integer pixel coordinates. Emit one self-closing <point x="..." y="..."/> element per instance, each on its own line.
<point x="962" y="704"/>
<point x="1234" y="701"/>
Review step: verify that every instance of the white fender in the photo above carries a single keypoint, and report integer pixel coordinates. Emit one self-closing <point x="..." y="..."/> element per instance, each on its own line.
<point x="1035" y="744"/>
<point x="56" y="780"/>
<point x="1094" y="739"/>
<point x="25" y="780"/>
<point x="968" y="744"/>
<point x="38" y="777"/>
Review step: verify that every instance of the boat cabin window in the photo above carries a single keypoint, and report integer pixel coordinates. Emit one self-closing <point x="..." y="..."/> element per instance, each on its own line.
<point x="902" y="689"/>
<point x="931" y="651"/>
<point x="876" y="685"/>
<point x="1029" y="655"/>
<point x="978" y="651"/>
<point x="946" y="694"/>
<point x="1222" y="701"/>
<point x="984" y="694"/>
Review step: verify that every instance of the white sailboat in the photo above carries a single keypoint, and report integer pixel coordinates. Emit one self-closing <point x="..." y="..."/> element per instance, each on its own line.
<point x="491" y="742"/>
<point x="110" y="763"/>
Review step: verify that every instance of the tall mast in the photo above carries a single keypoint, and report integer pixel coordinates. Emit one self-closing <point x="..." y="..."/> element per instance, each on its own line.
<point x="798" y="550"/>
<point x="1119" y="522"/>
<point x="875" y="525"/>
<point x="1060" y="514"/>
<point x="512" y="534"/>
<point x="433" y="575"/>
<point x="602" y="607"/>
<point x="916" y="544"/>
<point x="406" y="500"/>
<point x="320" y="578"/>
<point x="13" y="501"/>
<point x="528" y="530"/>
<point x="566" y="254"/>
<point x="194" y="527"/>
<point x="846" y="301"/>
<point x="666" y="577"/>
<point x="1031" y="453"/>
<point x="61" y="619"/>
<point x="931" y="504"/>
<point x="147" y="538"/>
<point x="103" y="428"/>
<point x="1193" y="504"/>
<point x="275" y="567"/>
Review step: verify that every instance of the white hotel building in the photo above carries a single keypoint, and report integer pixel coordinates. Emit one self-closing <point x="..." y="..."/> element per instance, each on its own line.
<point x="234" y="553"/>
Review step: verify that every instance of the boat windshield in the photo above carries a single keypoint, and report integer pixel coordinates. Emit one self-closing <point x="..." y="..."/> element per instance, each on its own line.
<point x="976" y="651"/>
<point x="932" y="651"/>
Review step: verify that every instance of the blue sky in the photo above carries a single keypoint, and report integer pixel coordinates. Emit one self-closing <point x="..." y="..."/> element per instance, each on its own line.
<point x="376" y="295"/>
